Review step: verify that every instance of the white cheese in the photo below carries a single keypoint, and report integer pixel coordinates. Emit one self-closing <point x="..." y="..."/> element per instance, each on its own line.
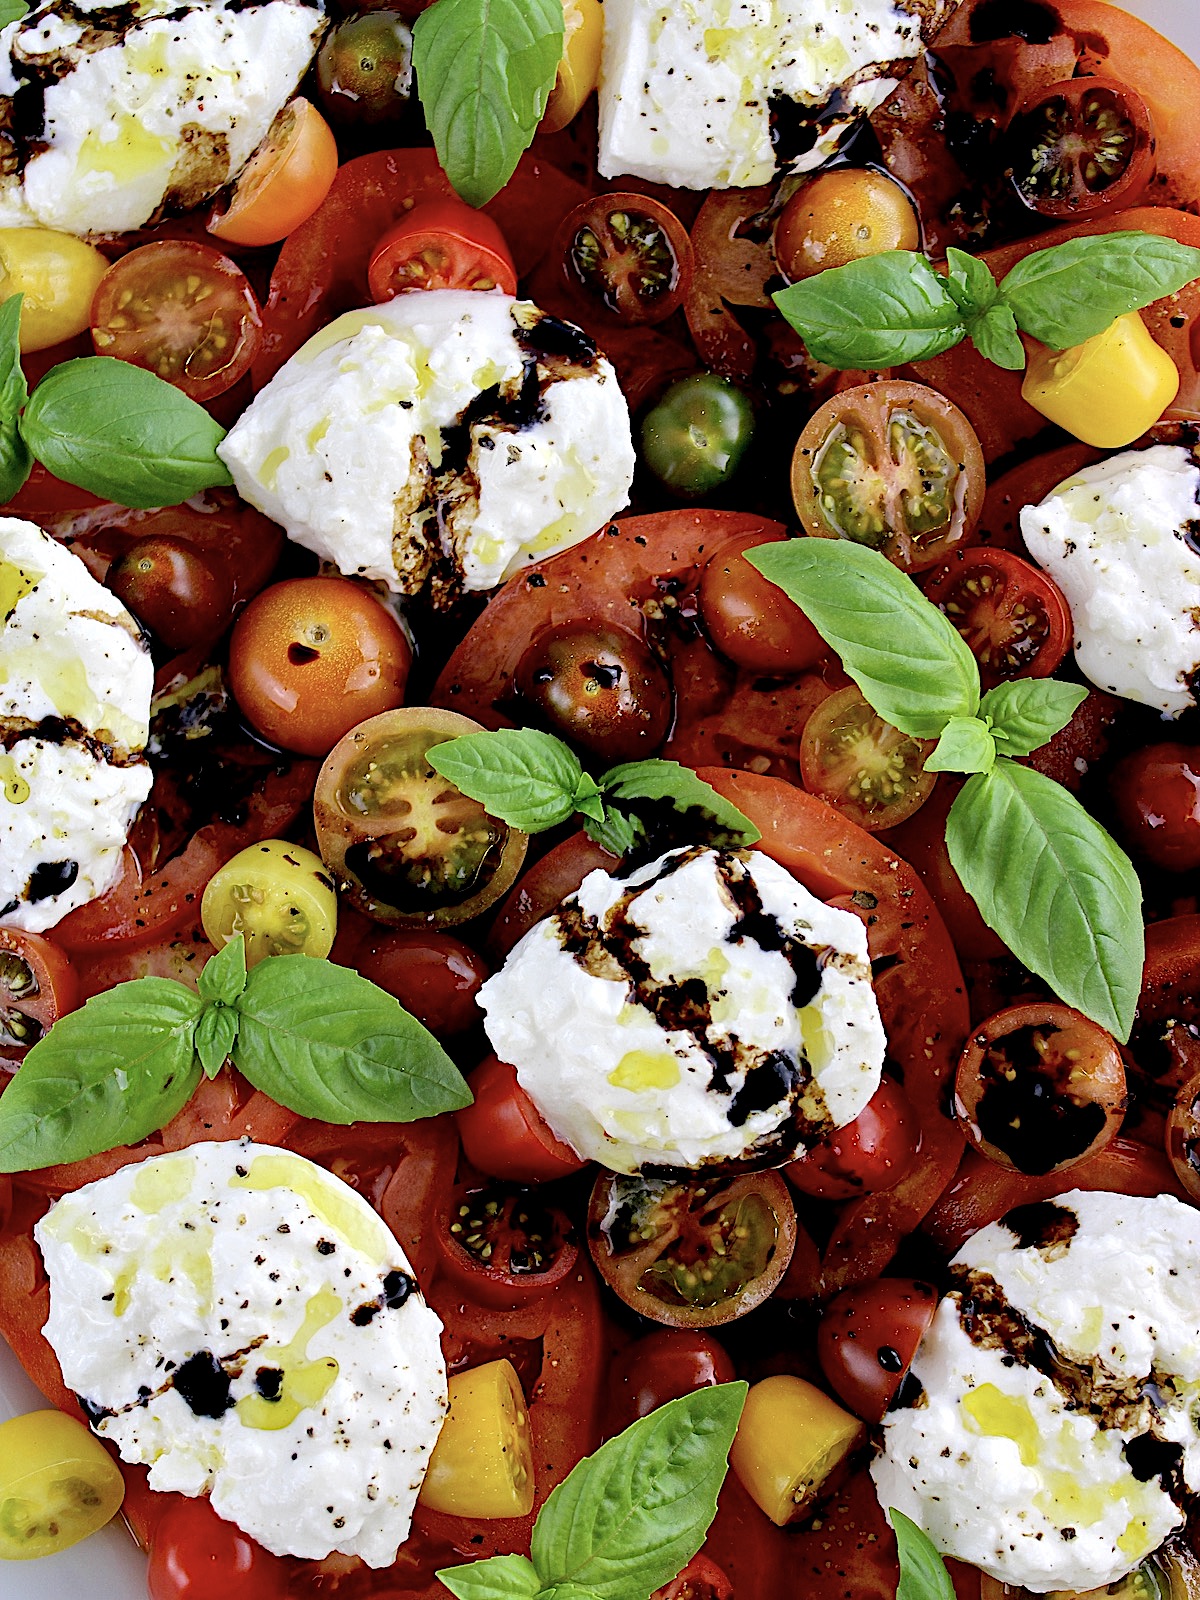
<point x="704" y="1008"/>
<point x="686" y="86"/>
<point x="1028" y="1471"/>
<point x="1122" y="541"/>
<point x="244" y="1323"/>
<point x="75" y="686"/>
<point x="155" y="104"/>
<point x="350" y="446"/>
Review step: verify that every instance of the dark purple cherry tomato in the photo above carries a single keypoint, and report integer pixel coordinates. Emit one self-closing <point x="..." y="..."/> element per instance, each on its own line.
<point x="433" y="975"/>
<point x="1157" y="791"/>
<point x="599" y="687"/>
<point x="174" y="590"/>
<point x="868" y="1337"/>
<point x="750" y="619"/>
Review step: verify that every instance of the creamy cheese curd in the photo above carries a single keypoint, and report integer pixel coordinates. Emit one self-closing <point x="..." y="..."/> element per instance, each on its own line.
<point x="1117" y="538"/>
<point x="1056" y="1428"/>
<point x="125" y="109"/>
<point x="703" y="1008"/>
<point x="75" y="686"/>
<point x="363" y="449"/>
<point x="244" y="1323"/>
<point x="693" y="91"/>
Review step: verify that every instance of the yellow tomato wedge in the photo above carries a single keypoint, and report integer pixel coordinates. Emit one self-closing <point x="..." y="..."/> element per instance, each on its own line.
<point x="482" y="1463"/>
<point x="790" y="1440"/>
<point x="57" y="274"/>
<point x="57" y="1485"/>
<point x="285" y="180"/>
<point x="1106" y="391"/>
<point x="583" y="30"/>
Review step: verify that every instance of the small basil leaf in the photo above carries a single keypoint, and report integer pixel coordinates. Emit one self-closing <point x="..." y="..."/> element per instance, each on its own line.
<point x="485" y="69"/>
<point x="526" y="778"/>
<point x="1026" y="712"/>
<point x="223" y="976"/>
<point x="11" y="11"/>
<point x="923" y="1574"/>
<point x="123" y="434"/>
<point x="971" y="283"/>
<point x="1073" y="291"/>
<point x="588" y="798"/>
<point x="495" y="1578"/>
<point x="628" y="1518"/>
<point x="14" y="391"/>
<point x="1057" y="889"/>
<point x="16" y="462"/>
<point x="216" y="1034"/>
<point x="326" y="1043"/>
<point x="877" y="312"/>
<point x="668" y="780"/>
<point x="995" y="336"/>
<point x="913" y="666"/>
<point x="111" y="1073"/>
<point x="966" y="745"/>
<point x="615" y="832"/>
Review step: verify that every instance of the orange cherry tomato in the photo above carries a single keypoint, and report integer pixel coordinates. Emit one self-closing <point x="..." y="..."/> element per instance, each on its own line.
<point x="441" y="244"/>
<point x="285" y="180"/>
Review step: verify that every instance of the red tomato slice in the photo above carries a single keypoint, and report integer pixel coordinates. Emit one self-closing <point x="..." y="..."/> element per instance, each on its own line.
<point x="441" y="244"/>
<point x="503" y="1245"/>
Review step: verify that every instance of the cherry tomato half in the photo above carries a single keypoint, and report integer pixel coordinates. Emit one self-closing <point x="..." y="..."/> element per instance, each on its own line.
<point x="434" y="976"/>
<point x="175" y="589"/>
<point x="662" y="1366"/>
<point x="627" y="254"/>
<point x="868" y="1337"/>
<point x="858" y="763"/>
<point x="695" y="1252"/>
<point x="701" y="1579"/>
<point x="196" y="1555"/>
<point x="183" y="311"/>
<point x="694" y="438"/>
<point x="1039" y="1087"/>
<point x="1183" y="1137"/>
<point x="583" y="31"/>
<point x="310" y="658"/>
<point x="599" y="687"/>
<point x="285" y="180"/>
<point x="441" y="244"/>
<point x="1081" y="146"/>
<point x="1157" y="793"/>
<point x="38" y="985"/>
<point x="868" y="1155"/>
<point x="504" y="1134"/>
<point x="893" y="465"/>
<point x="1015" y="619"/>
<point x="504" y="1246"/>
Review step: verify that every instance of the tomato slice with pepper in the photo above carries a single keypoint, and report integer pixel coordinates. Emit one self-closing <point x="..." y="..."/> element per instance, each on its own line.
<point x="441" y="244"/>
<point x="504" y="1246"/>
<point x="1082" y="146"/>
<point x="38" y="985"/>
<point x="1015" y="618"/>
<point x="628" y="253"/>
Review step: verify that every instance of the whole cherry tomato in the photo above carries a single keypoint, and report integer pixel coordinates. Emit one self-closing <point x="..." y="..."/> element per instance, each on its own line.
<point x="364" y="68"/>
<point x="662" y="1366"/>
<point x="504" y="1134"/>
<point x="750" y="619"/>
<point x="868" y="1337"/>
<point x="841" y="216"/>
<point x="432" y="974"/>
<point x="868" y="1155"/>
<point x="174" y="589"/>
<point x="196" y="1555"/>
<point x="599" y="687"/>
<point x="1157" y="791"/>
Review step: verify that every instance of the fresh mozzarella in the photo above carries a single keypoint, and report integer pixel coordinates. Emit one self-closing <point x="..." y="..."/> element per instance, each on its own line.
<point x="721" y="94"/>
<point x="1051" y="1427"/>
<point x="126" y="109"/>
<point x="243" y="1323"/>
<point x="75" y="686"/>
<point x="1119" y="539"/>
<point x="704" y="1008"/>
<point x="362" y="446"/>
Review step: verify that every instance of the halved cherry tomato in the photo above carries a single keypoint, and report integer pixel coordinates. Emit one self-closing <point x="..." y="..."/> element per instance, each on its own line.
<point x="441" y="244"/>
<point x="599" y="687"/>
<point x="872" y="1153"/>
<point x="1081" y="146"/>
<point x="871" y="772"/>
<point x="583" y="31"/>
<point x="433" y="975"/>
<point x="504" y="1134"/>
<point x="867" y="1338"/>
<point x="892" y="465"/>
<point x="701" y="1579"/>
<point x="284" y="182"/>
<point x="1157" y="793"/>
<point x="695" y="1252"/>
<point x="1183" y="1137"/>
<point x="174" y="589"/>
<point x="38" y="985"/>
<point x="196" y="1555"/>
<point x="504" y="1246"/>
<point x="626" y="253"/>
<point x="751" y="620"/>
<point x="1013" y="616"/>
<point x="662" y="1366"/>
<point x="1039" y="1088"/>
<point x="183" y="311"/>
<point x="311" y="658"/>
<point x="841" y="216"/>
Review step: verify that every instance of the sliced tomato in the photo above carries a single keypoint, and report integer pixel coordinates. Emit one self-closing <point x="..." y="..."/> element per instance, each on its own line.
<point x="284" y="181"/>
<point x="867" y="1338"/>
<point x="628" y="253"/>
<point x="701" y="1579"/>
<point x="1015" y="618"/>
<point x="869" y="771"/>
<point x="441" y="244"/>
<point x="38" y="984"/>
<point x="1081" y="147"/>
<point x="502" y="1245"/>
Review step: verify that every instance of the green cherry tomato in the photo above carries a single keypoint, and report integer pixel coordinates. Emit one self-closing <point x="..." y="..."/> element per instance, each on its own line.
<point x="694" y="439"/>
<point x="364" y="69"/>
<point x="278" y="895"/>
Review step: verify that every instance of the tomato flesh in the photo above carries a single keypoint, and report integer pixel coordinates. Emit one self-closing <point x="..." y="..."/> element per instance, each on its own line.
<point x="868" y="1337"/>
<point x="441" y="244"/>
<point x="1082" y="146"/>
<point x="1013" y="616"/>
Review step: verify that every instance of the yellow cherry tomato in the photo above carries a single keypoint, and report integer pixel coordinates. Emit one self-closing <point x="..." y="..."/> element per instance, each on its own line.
<point x="842" y="216"/>
<point x="57" y="274"/>
<point x="583" y="30"/>
<point x="790" y="1439"/>
<point x="57" y="1485"/>
<point x="278" y="895"/>
<point x="284" y="181"/>
<point x="1106" y="391"/>
<point x="482" y="1463"/>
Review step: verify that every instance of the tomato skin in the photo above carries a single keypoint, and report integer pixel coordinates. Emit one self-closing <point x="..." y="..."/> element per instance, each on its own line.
<point x="433" y="975"/>
<point x="662" y="1366"/>
<point x="441" y="244"/>
<point x="1183" y="1137"/>
<point x="1157" y="794"/>
<point x="173" y="589"/>
<point x="842" y="216"/>
<point x="38" y="984"/>
<point x="872" y="1153"/>
<point x="1015" y="618"/>
<point x="285" y="181"/>
<point x="310" y="658"/>
<point x="750" y="620"/>
<point x="196" y="1555"/>
<point x="364" y="68"/>
<point x="921" y="841"/>
<point x="867" y="1338"/>
<point x="694" y="439"/>
<point x="504" y="1134"/>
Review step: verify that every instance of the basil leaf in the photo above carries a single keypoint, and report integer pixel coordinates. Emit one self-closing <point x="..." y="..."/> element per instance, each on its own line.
<point x="16" y="462"/>
<point x="14" y="391"/>
<point x="123" y="434"/>
<point x="326" y="1043"/>
<point x="1073" y="291"/>
<point x="223" y="976"/>
<point x="877" y="312"/>
<point x="923" y="1574"/>
<point x="495" y="1578"/>
<point x="566" y="1591"/>
<point x="996" y="338"/>
<point x="966" y="745"/>
<point x="1057" y="889"/>
<point x="971" y="283"/>
<point x="216" y="1034"/>
<point x="615" y="832"/>
<point x="629" y="1517"/>
<point x="111" y="1073"/>
<point x="11" y="11"/>
<point x="526" y="778"/>
<point x="911" y="663"/>
<point x="1026" y="712"/>
<point x="667" y="780"/>
<point x="588" y="798"/>
<point x="485" y="69"/>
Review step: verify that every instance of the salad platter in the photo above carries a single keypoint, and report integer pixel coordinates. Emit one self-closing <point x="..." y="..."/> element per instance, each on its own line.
<point x="360" y="557"/>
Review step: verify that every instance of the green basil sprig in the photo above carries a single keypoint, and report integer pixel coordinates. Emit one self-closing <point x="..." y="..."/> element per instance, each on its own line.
<point x="317" y="1038"/>
<point x="1045" y="875"/>
<point x="893" y="308"/>
<point x="627" y="1519"/>
<point x="923" y="1574"/>
<point x="108" y="427"/>
<point x="485" y="69"/>
<point x="533" y="781"/>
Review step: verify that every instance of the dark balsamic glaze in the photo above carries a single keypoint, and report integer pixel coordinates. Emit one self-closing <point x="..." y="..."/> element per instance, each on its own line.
<point x="1149" y="1457"/>
<point x="1023" y="1111"/>
<point x="1042" y="1224"/>
<point x="203" y="1384"/>
<point x="909" y="1392"/>
<point x="50" y="878"/>
<point x="1014" y="19"/>
<point x="397" y="1288"/>
<point x="269" y="1383"/>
